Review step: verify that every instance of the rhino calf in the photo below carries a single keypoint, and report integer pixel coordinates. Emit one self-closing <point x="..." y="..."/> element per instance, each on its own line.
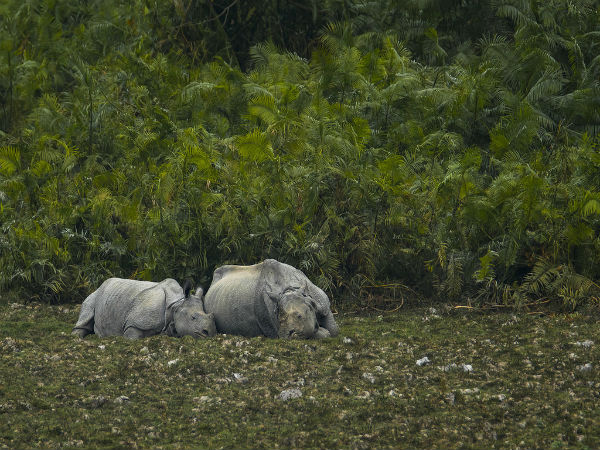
<point x="136" y="309"/>
<point x="269" y="299"/>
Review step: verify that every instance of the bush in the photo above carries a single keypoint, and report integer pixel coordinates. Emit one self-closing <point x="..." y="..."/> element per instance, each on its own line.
<point x="463" y="171"/>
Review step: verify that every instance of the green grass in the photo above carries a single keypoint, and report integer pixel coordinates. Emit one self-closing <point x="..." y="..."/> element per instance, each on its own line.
<point x="526" y="389"/>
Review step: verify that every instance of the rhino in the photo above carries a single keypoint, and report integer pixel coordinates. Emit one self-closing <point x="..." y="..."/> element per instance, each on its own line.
<point x="270" y="299"/>
<point x="136" y="309"/>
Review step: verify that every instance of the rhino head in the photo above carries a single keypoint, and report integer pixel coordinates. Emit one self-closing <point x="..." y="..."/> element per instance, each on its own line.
<point x="190" y="319"/>
<point x="298" y="316"/>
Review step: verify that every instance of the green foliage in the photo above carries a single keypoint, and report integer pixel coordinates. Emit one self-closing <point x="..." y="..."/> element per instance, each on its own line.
<point x="420" y="145"/>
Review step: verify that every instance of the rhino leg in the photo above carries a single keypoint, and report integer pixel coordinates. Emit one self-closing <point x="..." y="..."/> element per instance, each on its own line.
<point x="322" y="333"/>
<point x="134" y="333"/>
<point x="328" y="322"/>
<point x="85" y="323"/>
<point x="80" y="332"/>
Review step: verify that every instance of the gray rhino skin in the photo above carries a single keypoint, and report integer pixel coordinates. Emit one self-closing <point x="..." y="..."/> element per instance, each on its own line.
<point x="268" y="299"/>
<point x="136" y="309"/>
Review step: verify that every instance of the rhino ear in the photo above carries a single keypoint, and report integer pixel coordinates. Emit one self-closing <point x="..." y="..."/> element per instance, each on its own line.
<point x="187" y="287"/>
<point x="265" y="309"/>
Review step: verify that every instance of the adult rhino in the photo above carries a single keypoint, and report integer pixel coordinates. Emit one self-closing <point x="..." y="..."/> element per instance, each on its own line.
<point x="268" y="299"/>
<point x="136" y="309"/>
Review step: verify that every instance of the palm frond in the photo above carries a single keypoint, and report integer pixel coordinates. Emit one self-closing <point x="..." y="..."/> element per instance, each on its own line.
<point x="10" y="160"/>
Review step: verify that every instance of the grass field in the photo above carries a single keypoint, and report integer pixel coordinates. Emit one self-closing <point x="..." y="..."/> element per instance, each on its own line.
<point x="491" y="381"/>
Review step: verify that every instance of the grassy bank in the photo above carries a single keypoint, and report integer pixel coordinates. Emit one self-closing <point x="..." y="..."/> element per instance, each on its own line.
<point x="492" y="381"/>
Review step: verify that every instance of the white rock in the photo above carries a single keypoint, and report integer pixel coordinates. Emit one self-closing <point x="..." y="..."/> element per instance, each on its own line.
<point x="585" y="367"/>
<point x="467" y="367"/>
<point x="470" y="391"/>
<point x="423" y="361"/>
<point x="288" y="394"/>
<point x="369" y="377"/>
<point x="240" y="378"/>
<point x="172" y="362"/>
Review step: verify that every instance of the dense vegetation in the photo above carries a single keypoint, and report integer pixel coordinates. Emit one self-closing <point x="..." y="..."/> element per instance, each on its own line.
<point x="446" y="147"/>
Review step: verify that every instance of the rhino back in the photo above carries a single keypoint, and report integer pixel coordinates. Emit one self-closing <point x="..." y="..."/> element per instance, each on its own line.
<point x="114" y="299"/>
<point x="232" y="300"/>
